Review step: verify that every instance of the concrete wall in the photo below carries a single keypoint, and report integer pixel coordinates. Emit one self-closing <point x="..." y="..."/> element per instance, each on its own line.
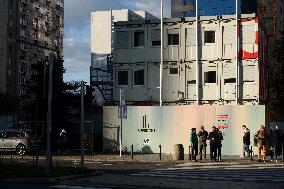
<point x="148" y="127"/>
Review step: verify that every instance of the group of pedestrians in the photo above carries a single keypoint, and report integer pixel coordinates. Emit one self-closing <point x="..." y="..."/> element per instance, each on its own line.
<point x="272" y="140"/>
<point x="262" y="139"/>
<point x="215" y="137"/>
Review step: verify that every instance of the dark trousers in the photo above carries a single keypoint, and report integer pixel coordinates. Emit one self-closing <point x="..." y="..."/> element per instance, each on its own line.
<point x="278" y="149"/>
<point x="194" y="151"/>
<point x="219" y="148"/>
<point x="213" y="151"/>
<point x="202" y="149"/>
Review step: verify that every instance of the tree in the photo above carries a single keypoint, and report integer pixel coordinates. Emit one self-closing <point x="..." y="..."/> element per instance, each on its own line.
<point x="277" y="72"/>
<point x="7" y="103"/>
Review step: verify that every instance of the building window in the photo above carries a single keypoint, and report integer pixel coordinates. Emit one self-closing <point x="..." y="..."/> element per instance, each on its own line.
<point x="173" y="39"/>
<point x="122" y="77"/>
<point x="191" y="82"/>
<point x="139" y="39"/>
<point x="210" y="77"/>
<point x="156" y="38"/>
<point x="173" y="71"/>
<point x="209" y="37"/>
<point x="230" y="80"/>
<point x="139" y="77"/>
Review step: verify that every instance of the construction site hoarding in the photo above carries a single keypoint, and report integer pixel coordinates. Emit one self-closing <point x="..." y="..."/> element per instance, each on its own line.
<point x="147" y="127"/>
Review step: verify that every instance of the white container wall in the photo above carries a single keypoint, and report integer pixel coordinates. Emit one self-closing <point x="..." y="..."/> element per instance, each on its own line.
<point x="137" y="47"/>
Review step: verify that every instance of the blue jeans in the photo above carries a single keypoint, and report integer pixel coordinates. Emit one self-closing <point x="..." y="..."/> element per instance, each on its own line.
<point x="246" y="149"/>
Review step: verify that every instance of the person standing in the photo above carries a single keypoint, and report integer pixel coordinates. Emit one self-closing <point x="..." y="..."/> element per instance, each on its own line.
<point x="261" y="138"/>
<point x="202" y="135"/>
<point x="213" y="137"/>
<point x="246" y="142"/>
<point x="63" y="140"/>
<point x="194" y="143"/>
<point x="279" y="142"/>
<point x="219" y="143"/>
<point x="244" y="127"/>
<point x="272" y="139"/>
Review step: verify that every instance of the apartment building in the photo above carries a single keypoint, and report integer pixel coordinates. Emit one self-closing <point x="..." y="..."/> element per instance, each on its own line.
<point x="102" y="30"/>
<point x="136" y="61"/>
<point x="30" y="31"/>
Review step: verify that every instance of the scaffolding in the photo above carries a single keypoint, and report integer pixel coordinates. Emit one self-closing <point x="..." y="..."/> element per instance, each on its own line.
<point x="101" y="76"/>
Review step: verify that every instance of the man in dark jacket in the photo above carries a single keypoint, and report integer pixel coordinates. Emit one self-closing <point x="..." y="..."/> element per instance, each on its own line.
<point x="219" y="143"/>
<point x="202" y="135"/>
<point x="194" y="143"/>
<point x="246" y="141"/>
<point x="213" y="137"/>
<point x="279" y="135"/>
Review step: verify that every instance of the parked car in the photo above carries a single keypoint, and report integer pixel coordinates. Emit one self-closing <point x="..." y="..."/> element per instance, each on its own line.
<point x="15" y="140"/>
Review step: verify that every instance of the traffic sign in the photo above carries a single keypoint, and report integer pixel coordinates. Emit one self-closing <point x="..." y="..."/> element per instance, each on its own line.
<point x="122" y="112"/>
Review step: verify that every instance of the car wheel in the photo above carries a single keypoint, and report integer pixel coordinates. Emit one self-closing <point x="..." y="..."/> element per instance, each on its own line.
<point x="21" y="149"/>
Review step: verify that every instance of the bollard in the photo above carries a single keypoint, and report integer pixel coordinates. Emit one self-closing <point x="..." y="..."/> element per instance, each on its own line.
<point x="189" y="153"/>
<point x="132" y="151"/>
<point x="160" y="146"/>
<point x="37" y="156"/>
<point x="204" y="151"/>
<point x="251" y="158"/>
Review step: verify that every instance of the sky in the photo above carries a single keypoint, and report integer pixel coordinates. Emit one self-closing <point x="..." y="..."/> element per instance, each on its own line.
<point x="77" y="14"/>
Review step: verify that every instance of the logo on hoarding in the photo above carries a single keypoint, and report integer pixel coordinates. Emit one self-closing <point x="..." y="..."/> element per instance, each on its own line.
<point x="146" y="141"/>
<point x="146" y="127"/>
<point x="222" y="121"/>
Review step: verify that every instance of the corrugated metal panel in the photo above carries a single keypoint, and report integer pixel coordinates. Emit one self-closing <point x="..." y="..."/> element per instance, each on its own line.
<point x="229" y="70"/>
<point x="190" y="36"/>
<point x="229" y="35"/>
<point x="155" y="35"/>
<point x="249" y="73"/>
<point x="190" y="73"/>
<point x="122" y="40"/>
<point x="249" y="90"/>
<point x="248" y="34"/>
<point x="173" y="31"/>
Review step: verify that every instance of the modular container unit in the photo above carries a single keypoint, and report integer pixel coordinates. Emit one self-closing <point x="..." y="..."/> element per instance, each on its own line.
<point x="136" y="60"/>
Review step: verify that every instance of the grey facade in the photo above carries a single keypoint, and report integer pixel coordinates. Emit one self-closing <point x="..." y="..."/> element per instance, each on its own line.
<point x="32" y="29"/>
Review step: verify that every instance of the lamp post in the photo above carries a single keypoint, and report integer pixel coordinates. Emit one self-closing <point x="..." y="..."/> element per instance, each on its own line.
<point x="162" y="56"/>
<point x="196" y="53"/>
<point x="237" y="53"/>
<point x="48" y="128"/>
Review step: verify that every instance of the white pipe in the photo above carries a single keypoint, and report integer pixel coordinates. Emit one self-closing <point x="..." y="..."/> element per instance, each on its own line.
<point x="196" y="43"/>
<point x="237" y="52"/>
<point x="162" y="58"/>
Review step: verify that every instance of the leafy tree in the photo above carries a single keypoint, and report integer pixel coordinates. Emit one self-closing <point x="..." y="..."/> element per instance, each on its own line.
<point x="7" y="103"/>
<point x="277" y="72"/>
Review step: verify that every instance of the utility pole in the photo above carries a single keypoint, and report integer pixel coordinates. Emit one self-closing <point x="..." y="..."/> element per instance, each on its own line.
<point x="120" y="138"/>
<point x="48" y="128"/>
<point x="82" y="124"/>
<point x="162" y="57"/>
<point x="237" y="54"/>
<point x="196" y="43"/>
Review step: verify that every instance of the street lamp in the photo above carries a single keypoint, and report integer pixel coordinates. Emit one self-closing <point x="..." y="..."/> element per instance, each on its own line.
<point x="48" y="128"/>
